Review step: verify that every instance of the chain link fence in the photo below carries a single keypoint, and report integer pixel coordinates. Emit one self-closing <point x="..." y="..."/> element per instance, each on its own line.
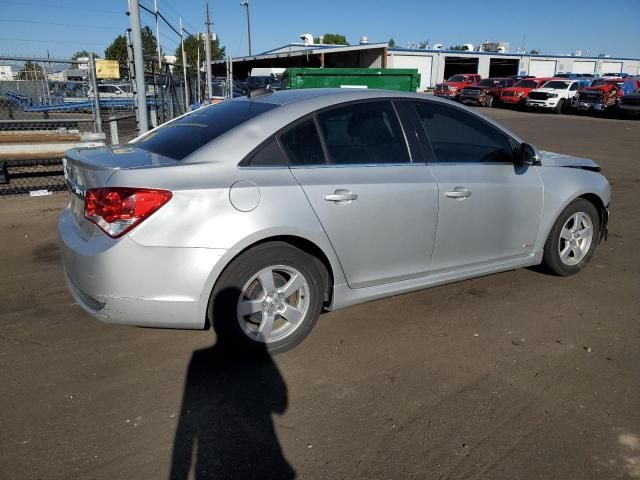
<point x="49" y="105"/>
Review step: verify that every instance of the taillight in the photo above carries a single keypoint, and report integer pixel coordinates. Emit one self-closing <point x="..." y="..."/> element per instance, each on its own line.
<point x="117" y="210"/>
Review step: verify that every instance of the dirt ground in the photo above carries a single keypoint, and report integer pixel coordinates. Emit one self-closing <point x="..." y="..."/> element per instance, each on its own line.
<point x="519" y="375"/>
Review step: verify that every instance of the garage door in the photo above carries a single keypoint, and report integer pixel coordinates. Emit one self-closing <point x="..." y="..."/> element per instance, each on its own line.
<point x="542" y="68"/>
<point x="584" y="66"/>
<point x="423" y="64"/>
<point x="611" y="67"/>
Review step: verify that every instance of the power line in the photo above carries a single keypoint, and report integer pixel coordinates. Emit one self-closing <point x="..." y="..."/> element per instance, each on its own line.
<point x="171" y="8"/>
<point x="35" y="22"/>
<point x="79" y="10"/>
<point x="48" y="41"/>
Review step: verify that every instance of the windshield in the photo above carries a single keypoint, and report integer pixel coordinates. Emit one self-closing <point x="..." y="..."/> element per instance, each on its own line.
<point x="526" y="84"/>
<point x="187" y="134"/>
<point x="558" y="84"/>
<point x="487" y="82"/>
<point x="457" y="78"/>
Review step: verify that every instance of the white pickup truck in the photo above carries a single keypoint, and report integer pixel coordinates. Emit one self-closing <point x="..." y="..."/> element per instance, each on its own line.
<point x="556" y="94"/>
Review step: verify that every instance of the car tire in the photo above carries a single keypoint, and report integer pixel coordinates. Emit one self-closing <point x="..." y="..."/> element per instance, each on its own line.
<point x="569" y="247"/>
<point x="277" y="322"/>
<point x="489" y="101"/>
<point x="559" y="107"/>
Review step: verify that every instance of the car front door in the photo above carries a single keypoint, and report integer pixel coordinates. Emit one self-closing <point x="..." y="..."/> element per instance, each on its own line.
<point x="489" y="207"/>
<point x="378" y="208"/>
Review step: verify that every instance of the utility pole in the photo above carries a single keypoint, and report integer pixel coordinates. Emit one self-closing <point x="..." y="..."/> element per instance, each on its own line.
<point x="138" y="61"/>
<point x="155" y="7"/>
<point x="245" y="3"/>
<point x="199" y="89"/>
<point x="207" y="49"/>
<point x="184" y="68"/>
<point x="96" y="97"/>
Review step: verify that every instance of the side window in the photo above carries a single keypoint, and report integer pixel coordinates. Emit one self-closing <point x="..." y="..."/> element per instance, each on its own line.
<point x="363" y="133"/>
<point x="302" y="144"/>
<point x="457" y="136"/>
<point x="270" y="155"/>
<point x="574" y="86"/>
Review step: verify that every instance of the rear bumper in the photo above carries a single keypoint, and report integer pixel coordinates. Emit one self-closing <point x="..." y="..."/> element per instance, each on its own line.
<point x="120" y="281"/>
<point x="629" y="108"/>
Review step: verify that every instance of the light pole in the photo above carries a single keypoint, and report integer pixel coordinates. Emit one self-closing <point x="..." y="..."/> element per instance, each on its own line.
<point x="245" y="3"/>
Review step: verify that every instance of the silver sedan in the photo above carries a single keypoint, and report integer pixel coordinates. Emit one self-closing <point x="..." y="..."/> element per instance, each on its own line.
<point x="256" y="214"/>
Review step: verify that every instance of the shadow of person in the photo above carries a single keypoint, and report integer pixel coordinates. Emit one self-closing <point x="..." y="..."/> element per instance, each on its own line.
<point x="225" y="428"/>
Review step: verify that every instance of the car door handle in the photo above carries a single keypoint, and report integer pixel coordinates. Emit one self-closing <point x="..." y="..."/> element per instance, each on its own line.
<point x="458" y="192"/>
<point x="340" y="196"/>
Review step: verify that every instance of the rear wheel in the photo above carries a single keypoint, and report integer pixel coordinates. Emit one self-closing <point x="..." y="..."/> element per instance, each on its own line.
<point x="268" y="298"/>
<point x="573" y="238"/>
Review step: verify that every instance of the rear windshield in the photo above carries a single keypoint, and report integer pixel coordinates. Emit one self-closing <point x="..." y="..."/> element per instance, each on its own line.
<point x="184" y="136"/>
<point x="526" y="84"/>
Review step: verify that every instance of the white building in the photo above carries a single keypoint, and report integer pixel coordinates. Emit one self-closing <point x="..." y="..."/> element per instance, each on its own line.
<point x="437" y="65"/>
<point x="6" y="72"/>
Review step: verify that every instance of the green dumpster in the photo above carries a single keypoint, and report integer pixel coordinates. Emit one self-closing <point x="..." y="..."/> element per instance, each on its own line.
<point x="403" y="79"/>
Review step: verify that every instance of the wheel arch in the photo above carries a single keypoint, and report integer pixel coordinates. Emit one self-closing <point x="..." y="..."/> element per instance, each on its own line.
<point x="332" y="272"/>
<point x="589" y="196"/>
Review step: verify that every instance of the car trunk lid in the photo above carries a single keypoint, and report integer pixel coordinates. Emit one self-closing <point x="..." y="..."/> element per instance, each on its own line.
<point x="86" y="168"/>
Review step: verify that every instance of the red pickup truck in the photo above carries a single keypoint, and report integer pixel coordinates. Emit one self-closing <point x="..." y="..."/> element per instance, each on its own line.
<point x="486" y="92"/>
<point x="452" y="87"/>
<point x="603" y="94"/>
<point x="517" y="95"/>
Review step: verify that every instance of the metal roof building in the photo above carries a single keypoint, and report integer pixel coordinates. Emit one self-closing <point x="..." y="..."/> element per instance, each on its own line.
<point x="370" y="55"/>
<point x="433" y="65"/>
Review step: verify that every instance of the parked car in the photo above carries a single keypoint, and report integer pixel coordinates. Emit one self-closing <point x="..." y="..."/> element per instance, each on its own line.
<point x="598" y="97"/>
<point x="452" y="87"/>
<point x="630" y="103"/>
<point x="263" y="81"/>
<point x="518" y="93"/>
<point x="112" y="90"/>
<point x="555" y="95"/>
<point x="486" y="92"/>
<point x="223" y="215"/>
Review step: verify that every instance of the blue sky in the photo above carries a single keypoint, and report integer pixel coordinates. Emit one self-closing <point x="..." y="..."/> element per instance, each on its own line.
<point x="560" y="26"/>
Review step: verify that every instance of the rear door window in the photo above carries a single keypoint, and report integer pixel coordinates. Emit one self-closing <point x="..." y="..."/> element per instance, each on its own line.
<point x="302" y="144"/>
<point x="187" y="134"/>
<point x="363" y="133"/>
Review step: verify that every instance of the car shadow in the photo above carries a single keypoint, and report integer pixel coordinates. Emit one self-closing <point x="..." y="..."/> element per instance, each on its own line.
<point x="225" y="429"/>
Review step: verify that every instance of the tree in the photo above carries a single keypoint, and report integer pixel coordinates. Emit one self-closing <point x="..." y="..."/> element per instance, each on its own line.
<point x="332" y="39"/>
<point x="118" y="48"/>
<point x="31" y="71"/>
<point x="83" y="53"/>
<point x="534" y="52"/>
<point x="392" y="42"/>
<point x="191" y="45"/>
<point x="423" y="45"/>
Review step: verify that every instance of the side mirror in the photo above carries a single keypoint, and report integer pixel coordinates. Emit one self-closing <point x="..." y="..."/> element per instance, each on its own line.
<point x="529" y="155"/>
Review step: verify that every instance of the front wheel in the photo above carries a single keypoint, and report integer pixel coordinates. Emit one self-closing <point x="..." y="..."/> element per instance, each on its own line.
<point x="270" y="298"/>
<point x="489" y="101"/>
<point x="559" y="106"/>
<point x="573" y="238"/>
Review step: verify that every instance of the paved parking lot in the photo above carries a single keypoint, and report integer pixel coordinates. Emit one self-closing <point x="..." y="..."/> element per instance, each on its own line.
<point x="519" y="375"/>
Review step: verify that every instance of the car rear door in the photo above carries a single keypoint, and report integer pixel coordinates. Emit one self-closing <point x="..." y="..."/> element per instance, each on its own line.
<point x="489" y="208"/>
<point x="377" y="206"/>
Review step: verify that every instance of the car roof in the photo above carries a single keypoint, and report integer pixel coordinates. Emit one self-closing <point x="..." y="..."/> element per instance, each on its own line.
<point x="330" y="95"/>
<point x="292" y="105"/>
